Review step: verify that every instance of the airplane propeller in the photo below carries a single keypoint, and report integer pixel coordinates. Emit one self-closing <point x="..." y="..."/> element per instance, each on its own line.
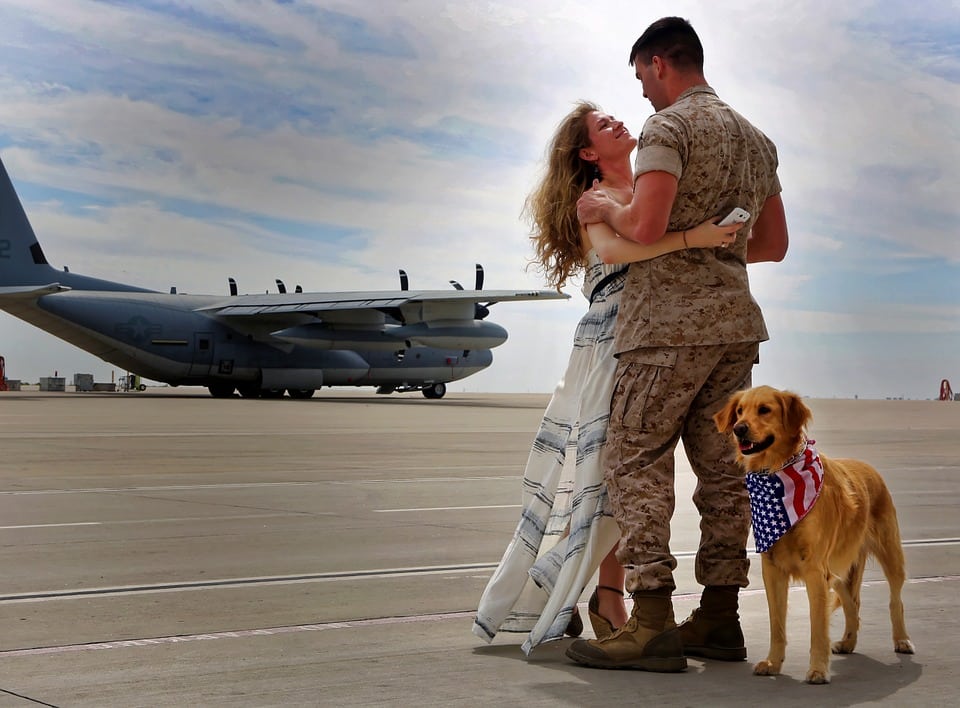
<point x="480" y="311"/>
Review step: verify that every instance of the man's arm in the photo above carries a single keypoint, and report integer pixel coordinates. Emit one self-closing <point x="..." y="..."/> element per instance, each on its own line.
<point x="768" y="240"/>
<point x="645" y="219"/>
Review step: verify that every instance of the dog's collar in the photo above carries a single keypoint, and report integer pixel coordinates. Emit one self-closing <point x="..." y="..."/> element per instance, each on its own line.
<point x="778" y="500"/>
<point x="800" y="455"/>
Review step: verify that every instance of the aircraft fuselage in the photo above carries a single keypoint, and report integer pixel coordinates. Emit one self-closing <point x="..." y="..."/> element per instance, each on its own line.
<point x="163" y="337"/>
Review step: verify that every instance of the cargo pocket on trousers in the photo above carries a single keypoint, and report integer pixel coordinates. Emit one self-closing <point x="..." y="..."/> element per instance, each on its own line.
<point x="643" y="380"/>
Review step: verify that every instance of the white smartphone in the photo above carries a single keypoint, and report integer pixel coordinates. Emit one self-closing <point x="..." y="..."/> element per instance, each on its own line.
<point x="737" y="216"/>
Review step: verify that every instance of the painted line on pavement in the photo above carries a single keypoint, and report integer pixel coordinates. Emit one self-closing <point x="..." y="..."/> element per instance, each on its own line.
<point x="48" y="526"/>
<point x="347" y="624"/>
<point x="82" y="593"/>
<point x="253" y="485"/>
<point x="448" y="508"/>
<point x="337" y="576"/>
<point x="173" y="519"/>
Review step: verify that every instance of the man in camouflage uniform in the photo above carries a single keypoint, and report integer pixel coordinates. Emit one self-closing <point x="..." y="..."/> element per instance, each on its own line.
<point x="688" y="335"/>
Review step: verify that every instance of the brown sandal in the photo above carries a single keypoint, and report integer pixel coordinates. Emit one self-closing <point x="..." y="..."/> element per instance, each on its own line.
<point x="602" y="627"/>
<point x="575" y="625"/>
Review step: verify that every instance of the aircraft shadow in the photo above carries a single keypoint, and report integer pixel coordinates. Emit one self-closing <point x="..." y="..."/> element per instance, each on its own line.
<point x="535" y="401"/>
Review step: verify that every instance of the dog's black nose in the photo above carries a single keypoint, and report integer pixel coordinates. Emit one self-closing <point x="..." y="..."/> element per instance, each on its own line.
<point x="740" y="430"/>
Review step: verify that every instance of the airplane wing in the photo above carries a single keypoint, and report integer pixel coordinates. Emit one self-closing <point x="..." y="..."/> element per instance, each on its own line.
<point x="318" y="303"/>
<point x="30" y="292"/>
<point x="382" y="319"/>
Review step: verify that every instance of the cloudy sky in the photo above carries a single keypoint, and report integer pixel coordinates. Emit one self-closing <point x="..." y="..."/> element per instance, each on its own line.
<point x="166" y="143"/>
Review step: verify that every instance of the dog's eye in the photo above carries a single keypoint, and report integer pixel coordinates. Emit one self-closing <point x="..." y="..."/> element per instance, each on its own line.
<point x="763" y="410"/>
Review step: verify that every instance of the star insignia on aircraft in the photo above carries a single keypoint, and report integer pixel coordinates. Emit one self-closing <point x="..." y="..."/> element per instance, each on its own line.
<point x="138" y="328"/>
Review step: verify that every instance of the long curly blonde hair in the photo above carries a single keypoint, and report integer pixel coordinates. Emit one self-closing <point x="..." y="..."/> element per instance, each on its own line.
<point x="551" y="208"/>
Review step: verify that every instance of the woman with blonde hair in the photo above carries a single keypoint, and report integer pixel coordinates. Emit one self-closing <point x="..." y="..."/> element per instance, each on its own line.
<point x="566" y="531"/>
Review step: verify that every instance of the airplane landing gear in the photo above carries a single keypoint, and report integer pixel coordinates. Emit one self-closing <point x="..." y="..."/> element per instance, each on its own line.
<point x="249" y="390"/>
<point x="221" y="390"/>
<point x="300" y="392"/>
<point x="434" y="391"/>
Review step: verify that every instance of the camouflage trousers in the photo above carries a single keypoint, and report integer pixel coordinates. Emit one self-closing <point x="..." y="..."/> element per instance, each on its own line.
<point x="662" y="395"/>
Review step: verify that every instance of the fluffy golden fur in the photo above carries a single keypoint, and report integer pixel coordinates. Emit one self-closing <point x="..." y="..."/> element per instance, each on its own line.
<point x="827" y="549"/>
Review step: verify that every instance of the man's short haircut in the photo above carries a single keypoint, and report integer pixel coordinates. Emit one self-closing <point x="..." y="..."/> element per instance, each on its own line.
<point x="673" y="39"/>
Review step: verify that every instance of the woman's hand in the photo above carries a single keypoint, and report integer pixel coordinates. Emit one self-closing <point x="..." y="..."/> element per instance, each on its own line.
<point x="709" y="235"/>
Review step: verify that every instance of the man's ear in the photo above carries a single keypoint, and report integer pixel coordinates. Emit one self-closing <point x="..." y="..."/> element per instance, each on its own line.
<point x="659" y="65"/>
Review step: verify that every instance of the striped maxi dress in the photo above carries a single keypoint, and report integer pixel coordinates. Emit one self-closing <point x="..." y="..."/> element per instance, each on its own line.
<point x="566" y="526"/>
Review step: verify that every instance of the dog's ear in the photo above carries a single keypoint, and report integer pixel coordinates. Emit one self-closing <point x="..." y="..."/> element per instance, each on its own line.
<point x="727" y="416"/>
<point x="796" y="415"/>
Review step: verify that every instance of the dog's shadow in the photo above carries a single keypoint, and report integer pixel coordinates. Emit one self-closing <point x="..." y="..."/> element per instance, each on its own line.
<point x="855" y="679"/>
<point x="859" y="676"/>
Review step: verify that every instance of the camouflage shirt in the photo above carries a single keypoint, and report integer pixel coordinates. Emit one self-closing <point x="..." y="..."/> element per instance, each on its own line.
<point x="700" y="296"/>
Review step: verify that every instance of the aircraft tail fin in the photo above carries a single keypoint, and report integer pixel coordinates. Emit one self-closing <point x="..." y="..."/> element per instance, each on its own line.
<point x="22" y="262"/>
<point x="21" y="259"/>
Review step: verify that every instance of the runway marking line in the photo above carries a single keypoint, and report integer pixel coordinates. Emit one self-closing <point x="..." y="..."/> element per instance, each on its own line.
<point x="334" y="576"/>
<point x="376" y="573"/>
<point x="248" y="485"/>
<point x="449" y="508"/>
<point x="47" y="526"/>
<point x="347" y="624"/>
<point x="173" y="520"/>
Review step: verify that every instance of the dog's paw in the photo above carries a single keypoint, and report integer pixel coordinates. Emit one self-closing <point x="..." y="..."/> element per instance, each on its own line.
<point x="844" y="646"/>
<point x="904" y="646"/>
<point x="818" y="676"/>
<point x="766" y="668"/>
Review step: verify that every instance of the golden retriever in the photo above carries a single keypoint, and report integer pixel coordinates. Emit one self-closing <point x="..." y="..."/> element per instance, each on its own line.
<point x="852" y="515"/>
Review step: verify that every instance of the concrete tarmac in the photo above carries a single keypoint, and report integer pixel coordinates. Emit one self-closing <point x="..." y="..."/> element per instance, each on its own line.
<point x="166" y="549"/>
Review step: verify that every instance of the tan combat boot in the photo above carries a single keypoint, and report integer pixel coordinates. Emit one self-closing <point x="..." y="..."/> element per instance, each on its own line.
<point x="713" y="630"/>
<point x="649" y="641"/>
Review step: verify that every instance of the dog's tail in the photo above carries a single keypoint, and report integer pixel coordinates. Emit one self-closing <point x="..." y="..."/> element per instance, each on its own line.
<point x="884" y="536"/>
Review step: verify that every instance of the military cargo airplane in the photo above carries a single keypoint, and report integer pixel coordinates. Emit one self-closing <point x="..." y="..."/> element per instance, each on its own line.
<point x="256" y="345"/>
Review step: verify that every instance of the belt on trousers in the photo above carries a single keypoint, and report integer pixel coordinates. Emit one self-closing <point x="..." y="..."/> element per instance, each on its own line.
<point x="604" y="282"/>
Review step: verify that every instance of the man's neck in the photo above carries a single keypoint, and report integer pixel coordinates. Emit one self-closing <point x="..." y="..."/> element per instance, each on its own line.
<point x="685" y="83"/>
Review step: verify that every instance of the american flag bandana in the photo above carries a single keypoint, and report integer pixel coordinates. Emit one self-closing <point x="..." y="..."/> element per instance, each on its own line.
<point x="778" y="500"/>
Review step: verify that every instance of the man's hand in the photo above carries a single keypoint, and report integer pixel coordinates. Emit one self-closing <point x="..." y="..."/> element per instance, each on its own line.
<point x="592" y="205"/>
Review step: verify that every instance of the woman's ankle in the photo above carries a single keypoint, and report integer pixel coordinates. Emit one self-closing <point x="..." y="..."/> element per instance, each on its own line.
<point x="611" y="606"/>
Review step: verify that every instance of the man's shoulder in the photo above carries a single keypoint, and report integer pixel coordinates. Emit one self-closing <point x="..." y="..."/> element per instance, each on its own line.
<point x="690" y="109"/>
<point x="666" y="122"/>
<point x="698" y="112"/>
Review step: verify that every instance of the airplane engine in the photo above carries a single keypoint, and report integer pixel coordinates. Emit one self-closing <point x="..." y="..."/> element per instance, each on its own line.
<point x="320" y="336"/>
<point x="453" y="334"/>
